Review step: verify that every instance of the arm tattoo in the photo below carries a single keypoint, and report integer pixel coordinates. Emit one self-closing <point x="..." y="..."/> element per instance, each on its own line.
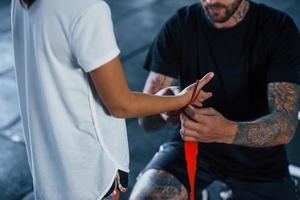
<point x="280" y="125"/>
<point x="154" y="83"/>
<point x="158" y="184"/>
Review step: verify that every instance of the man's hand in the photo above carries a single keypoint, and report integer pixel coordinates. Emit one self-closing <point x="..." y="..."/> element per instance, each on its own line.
<point x="206" y="125"/>
<point x="172" y="117"/>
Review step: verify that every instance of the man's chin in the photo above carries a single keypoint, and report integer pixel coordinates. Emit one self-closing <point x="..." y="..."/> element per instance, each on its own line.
<point x="218" y="19"/>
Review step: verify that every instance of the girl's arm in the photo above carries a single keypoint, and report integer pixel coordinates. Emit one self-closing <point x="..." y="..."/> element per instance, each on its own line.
<point x="112" y="88"/>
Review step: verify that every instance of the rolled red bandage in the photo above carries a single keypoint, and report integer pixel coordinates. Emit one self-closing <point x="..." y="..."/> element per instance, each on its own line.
<point x="191" y="152"/>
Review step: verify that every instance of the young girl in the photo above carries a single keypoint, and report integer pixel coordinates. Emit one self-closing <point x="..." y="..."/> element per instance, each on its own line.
<point x="66" y="57"/>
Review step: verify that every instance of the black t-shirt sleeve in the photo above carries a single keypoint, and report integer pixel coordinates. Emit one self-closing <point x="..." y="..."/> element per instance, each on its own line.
<point x="164" y="55"/>
<point x="284" y="63"/>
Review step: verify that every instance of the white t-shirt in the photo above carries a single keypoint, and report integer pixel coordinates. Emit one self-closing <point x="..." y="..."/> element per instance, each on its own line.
<point x="74" y="147"/>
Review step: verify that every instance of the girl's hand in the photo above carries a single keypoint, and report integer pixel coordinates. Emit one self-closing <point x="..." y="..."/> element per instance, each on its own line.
<point x="191" y="92"/>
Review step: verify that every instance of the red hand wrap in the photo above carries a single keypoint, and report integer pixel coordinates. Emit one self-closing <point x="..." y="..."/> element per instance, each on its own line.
<point x="191" y="152"/>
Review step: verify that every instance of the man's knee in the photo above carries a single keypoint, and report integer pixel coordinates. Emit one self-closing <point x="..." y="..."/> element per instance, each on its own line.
<point x="158" y="184"/>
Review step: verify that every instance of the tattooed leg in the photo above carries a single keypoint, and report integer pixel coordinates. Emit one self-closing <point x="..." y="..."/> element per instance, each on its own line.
<point x="158" y="185"/>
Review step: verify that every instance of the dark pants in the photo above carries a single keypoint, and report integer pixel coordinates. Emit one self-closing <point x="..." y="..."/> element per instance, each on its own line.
<point x="284" y="189"/>
<point x="171" y="159"/>
<point x="120" y="181"/>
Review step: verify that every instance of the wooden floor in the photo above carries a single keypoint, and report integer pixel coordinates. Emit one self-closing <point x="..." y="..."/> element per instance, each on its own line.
<point x="136" y="23"/>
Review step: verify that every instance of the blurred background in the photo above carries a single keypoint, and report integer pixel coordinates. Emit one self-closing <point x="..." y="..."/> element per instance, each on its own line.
<point x="136" y="23"/>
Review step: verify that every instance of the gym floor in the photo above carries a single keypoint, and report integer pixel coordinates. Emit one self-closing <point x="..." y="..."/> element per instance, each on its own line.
<point x="136" y="23"/>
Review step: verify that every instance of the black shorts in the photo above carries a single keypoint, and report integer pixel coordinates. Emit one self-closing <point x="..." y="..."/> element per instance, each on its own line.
<point x="171" y="158"/>
<point x="120" y="183"/>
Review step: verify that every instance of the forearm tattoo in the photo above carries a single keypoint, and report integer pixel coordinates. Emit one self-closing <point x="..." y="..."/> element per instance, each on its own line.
<point x="157" y="82"/>
<point x="280" y="125"/>
<point x="154" y="83"/>
<point x="158" y="184"/>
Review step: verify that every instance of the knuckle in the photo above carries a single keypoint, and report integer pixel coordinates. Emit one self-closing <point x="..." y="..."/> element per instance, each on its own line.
<point x="187" y="123"/>
<point x="206" y="129"/>
<point x="211" y="110"/>
<point x="199" y="137"/>
<point x="194" y="115"/>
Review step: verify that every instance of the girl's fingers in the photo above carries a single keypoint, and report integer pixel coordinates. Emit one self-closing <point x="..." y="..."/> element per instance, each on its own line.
<point x="197" y="104"/>
<point x="203" y="96"/>
<point x="205" y="80"/>
<point x="200" y="84"/>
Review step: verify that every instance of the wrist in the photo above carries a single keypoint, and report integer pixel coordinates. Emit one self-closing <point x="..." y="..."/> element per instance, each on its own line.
<point x="185" y="98"/>
<point x="231" y="131"/>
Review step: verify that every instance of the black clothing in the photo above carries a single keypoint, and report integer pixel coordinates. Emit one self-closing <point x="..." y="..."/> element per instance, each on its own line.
<point x="264" y="47"/>
<point x="171" y="159"/>
<point x="120" y="183"/>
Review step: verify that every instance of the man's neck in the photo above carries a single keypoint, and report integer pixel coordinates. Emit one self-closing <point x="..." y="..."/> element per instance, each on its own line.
<point x="237" y="17"/>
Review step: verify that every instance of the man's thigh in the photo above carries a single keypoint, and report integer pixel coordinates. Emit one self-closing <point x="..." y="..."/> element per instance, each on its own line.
<point x="271" y="190"/>
<point x="166" y="177"/>
<point x="158" y="184"/>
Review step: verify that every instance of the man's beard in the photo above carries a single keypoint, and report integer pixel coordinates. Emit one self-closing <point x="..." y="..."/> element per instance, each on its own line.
<point x="226" y="14"/>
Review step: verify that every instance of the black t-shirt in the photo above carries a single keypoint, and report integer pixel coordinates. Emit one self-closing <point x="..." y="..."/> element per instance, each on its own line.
<point x="264" y="47"/>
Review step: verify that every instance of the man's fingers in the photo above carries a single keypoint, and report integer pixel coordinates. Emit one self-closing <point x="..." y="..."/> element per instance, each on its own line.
<point x="188" y="134"/>
<point x="172" y="90"/>
<point x="191" y="113"/>
<point x="187" y="123"/>
<point x="207" y="111"/>
<point x="176" y="90"/>
<point x="198" y="113"/>
<point x="189" y="139"/>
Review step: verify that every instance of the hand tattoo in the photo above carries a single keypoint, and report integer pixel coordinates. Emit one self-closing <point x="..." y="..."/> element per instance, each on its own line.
<point x="280" y="125"/>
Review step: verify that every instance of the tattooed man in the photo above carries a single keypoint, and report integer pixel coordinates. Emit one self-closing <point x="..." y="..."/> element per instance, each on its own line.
<point x="254" y="51"/>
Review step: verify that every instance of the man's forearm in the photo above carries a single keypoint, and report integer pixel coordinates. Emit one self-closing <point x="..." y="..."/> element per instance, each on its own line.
<point x="155" y="82"/>
<point x="272" y="130"/>
<point x="277" y="128"/>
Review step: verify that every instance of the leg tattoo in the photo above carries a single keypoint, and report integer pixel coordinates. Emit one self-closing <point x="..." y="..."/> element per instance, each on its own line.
<point x="158" y="185"/>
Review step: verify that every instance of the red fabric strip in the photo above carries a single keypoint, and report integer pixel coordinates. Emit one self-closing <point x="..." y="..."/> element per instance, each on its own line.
<point x="191" y="152"/>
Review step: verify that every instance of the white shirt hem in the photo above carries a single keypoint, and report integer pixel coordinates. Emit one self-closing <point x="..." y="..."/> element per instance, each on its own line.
<point x="108" y="186"/>
<point x="102" y="143"/>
